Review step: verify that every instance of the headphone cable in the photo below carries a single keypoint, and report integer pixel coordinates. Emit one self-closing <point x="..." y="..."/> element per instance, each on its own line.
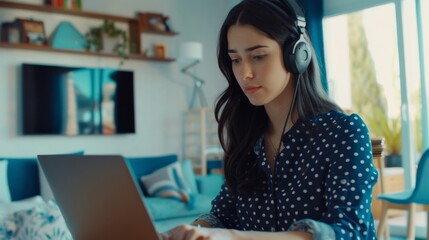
<point x="292" y="105"/>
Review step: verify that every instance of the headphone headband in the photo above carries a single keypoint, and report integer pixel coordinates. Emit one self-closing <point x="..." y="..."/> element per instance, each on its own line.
<point x="298" y="14"/>
<point x="296" y="51"/>
<point x="300" y="21"/>
<point x="296" y="8"/>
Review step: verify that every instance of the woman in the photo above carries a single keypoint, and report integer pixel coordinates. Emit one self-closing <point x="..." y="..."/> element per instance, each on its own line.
<point x="296" y="166"/>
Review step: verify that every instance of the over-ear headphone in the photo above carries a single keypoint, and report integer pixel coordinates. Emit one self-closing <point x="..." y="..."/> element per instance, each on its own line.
<point x="296" y="51"/>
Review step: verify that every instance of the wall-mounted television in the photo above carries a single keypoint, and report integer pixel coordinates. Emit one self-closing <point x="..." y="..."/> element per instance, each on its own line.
<point x="65" y="100"/>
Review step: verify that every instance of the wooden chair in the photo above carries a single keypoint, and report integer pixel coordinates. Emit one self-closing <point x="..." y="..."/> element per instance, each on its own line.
<point x="413" y="200"/>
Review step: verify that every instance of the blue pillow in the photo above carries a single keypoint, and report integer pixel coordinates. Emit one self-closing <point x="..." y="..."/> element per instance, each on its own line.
<point x="23" y="178"/>
<point x="189" y="176"/>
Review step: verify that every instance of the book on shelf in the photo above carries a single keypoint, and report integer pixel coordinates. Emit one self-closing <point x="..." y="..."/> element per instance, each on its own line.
<point x="68" y="4"/>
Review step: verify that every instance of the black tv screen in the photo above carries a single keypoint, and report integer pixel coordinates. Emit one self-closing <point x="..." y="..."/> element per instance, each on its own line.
<point x="76" y="100"/>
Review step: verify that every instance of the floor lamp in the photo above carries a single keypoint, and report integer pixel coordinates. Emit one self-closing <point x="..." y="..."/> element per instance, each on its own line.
<point x="193" y="52"/>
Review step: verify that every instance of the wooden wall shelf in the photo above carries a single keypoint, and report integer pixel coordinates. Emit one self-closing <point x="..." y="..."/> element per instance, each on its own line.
<point x="46" y="48"/>
<point x="170" y="33"/>
<point x="134" y="27"/>
<point x="73" y="12"/>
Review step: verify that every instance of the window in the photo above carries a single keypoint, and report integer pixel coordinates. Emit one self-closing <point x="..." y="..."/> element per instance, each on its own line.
<point x="372" y="65"/>
<point x="423" y="12"/>
<point x="425" y="29"/>
<point x="363" y="71"/>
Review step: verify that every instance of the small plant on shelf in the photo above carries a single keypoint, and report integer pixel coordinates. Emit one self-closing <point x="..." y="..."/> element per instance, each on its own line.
<point x="108" y="29"/>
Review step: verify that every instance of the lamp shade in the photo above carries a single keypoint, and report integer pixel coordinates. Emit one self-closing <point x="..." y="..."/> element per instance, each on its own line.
<point x="190" y="51"/>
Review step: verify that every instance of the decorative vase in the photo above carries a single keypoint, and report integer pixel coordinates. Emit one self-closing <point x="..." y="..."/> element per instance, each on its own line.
<point x="109" y="43"/>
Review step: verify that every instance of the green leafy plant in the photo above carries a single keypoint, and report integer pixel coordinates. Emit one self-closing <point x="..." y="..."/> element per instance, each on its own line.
<point x="108" y="28"/>
<point x="390" y="129"/>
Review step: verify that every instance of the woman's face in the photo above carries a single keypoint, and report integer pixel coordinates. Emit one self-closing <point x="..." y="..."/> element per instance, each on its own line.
<point x="257" y="63"/>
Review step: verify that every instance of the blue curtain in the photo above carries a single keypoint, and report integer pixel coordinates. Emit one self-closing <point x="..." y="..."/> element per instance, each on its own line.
<point x="313" y="10"/>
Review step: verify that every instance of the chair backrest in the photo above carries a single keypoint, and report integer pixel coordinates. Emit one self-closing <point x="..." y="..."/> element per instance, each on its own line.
<point x="421" y="191"/>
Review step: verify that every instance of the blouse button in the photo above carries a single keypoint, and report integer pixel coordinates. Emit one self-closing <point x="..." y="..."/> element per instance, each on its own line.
<point x="343" y="181"/>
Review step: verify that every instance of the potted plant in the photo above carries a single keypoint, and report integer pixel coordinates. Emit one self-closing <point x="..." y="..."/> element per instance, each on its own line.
<point x="97" y="38"/>
<point x="389" y="129"/>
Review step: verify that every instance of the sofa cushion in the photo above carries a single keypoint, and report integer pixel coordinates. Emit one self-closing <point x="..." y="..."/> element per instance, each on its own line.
<point x="164" y="208"/>
<point x="209" y="185"/>
<point x="189" y="176"/>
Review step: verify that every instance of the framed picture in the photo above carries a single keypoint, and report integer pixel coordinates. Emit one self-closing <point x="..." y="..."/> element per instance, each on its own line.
<point x="152" y="21"/>
<point x="33" y="31"/>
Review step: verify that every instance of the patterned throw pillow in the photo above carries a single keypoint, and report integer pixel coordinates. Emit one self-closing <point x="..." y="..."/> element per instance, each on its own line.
<point x="167" y="182"/>
<point x="8" y="225"/>
<point x="41" y="222"/>
<point x="7" y="228"/>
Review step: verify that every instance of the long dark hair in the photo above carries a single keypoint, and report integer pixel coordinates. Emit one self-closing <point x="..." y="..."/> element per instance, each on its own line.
<point x="240" y="122"/>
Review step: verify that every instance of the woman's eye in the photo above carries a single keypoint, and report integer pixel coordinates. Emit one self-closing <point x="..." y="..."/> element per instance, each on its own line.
<point x="235" y="60"/>
<point x="258" y="57"/>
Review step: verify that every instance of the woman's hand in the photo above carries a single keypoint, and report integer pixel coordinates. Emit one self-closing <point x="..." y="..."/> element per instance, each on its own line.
<point x="189" y="232"/>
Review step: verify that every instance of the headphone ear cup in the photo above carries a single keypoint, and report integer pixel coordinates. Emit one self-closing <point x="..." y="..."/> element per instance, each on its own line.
<point x="297" y="56"/>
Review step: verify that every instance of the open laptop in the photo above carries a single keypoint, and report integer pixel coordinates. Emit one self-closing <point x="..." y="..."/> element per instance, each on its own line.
<point x="98" y="197"/>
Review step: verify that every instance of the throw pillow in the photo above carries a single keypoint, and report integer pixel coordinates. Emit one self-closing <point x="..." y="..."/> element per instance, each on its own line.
<point x="142" y="166"/>
<point x="4" y="184"/>
<point x="7" y="221"/>
<point x="9" y="208"/>
<point x="7" y="228"/>
<point x="41" y="222"/>
<point x="23" y="177"/>
<point x="167" y="182"/>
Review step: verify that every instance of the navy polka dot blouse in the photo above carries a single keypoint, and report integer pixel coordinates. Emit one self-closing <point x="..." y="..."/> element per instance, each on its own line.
<point x="323" y="183"/>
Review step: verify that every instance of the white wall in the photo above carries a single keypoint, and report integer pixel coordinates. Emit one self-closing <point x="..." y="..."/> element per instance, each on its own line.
<point x="162" y="92"/>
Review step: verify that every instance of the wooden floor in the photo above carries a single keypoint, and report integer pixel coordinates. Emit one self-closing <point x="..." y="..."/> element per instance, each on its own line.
<point x="398" y="227"/>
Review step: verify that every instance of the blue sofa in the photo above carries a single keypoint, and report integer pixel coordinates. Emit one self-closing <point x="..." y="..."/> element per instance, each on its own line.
<point x="23" y="178"/>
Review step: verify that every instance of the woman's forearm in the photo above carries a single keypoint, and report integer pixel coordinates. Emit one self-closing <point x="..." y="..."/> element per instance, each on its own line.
<point x="250" y="235"/>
